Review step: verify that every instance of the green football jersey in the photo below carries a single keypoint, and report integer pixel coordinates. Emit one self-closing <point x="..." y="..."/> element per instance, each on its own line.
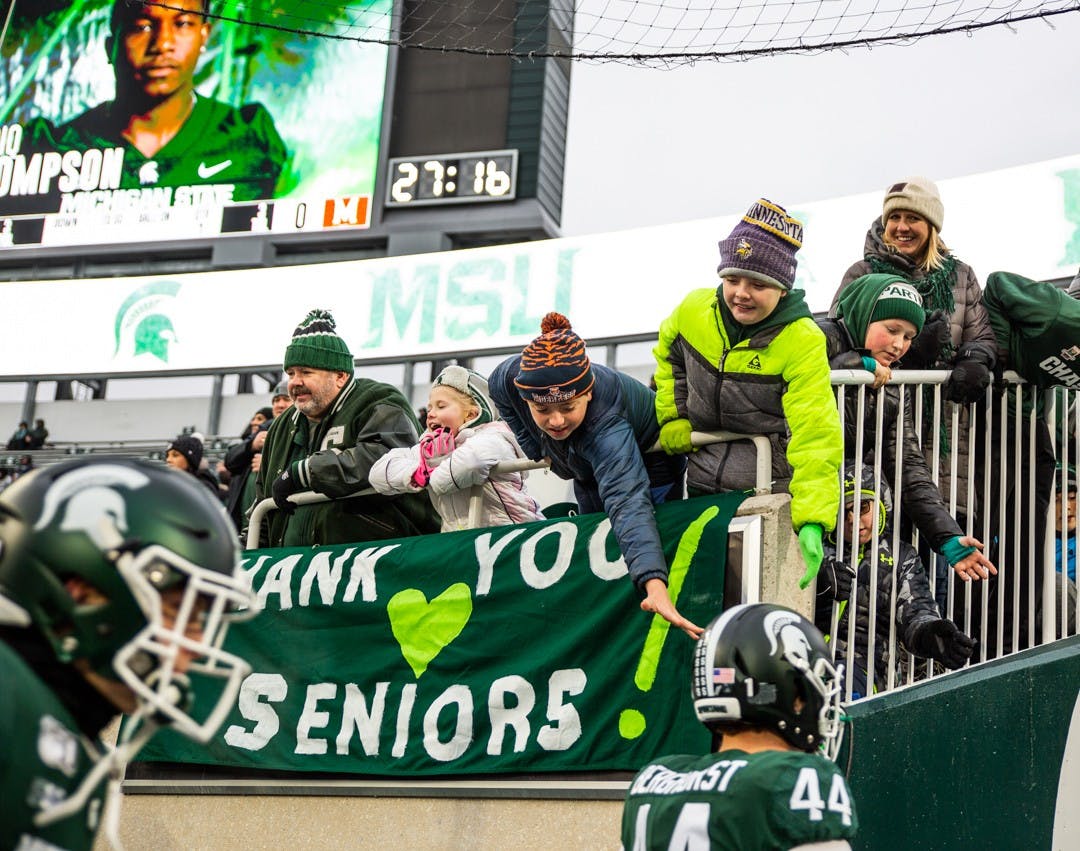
<point x="737" y="801"/>
<point x="43" y="759"/>
<point x="221" y="154"/>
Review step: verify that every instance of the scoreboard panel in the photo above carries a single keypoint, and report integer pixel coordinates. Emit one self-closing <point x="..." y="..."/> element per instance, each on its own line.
<point x="276" y="137"/>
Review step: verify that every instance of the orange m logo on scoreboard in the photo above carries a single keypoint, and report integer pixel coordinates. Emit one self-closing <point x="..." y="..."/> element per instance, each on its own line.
<point x="346" y="211"/>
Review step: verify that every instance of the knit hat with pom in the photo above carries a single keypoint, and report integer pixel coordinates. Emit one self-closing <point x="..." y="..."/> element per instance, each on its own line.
<point x="315" y="344"/>
<point x="554" y="367"/>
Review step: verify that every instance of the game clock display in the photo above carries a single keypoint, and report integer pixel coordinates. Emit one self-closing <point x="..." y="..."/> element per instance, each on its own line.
<point x="452" y="178"/>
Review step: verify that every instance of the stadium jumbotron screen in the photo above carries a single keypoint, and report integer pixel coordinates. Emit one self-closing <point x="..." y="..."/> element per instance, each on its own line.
<point x="124" y="122"/>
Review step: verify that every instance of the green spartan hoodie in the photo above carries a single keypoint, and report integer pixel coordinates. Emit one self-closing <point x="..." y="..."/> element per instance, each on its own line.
<point x="1038" y="327"/>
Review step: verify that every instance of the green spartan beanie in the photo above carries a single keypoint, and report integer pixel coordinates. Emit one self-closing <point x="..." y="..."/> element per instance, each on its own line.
<point x="879" y="296"/>
<point x="315" y="344"/>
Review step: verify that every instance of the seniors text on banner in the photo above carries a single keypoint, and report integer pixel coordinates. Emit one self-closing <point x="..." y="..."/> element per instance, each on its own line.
<point x="509" y="649"/>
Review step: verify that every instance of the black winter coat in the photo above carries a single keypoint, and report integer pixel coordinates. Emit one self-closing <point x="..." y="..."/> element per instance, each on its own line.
<point x="919" y="496"/>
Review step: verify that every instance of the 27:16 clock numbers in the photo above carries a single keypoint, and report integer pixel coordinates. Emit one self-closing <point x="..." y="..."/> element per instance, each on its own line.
<point x="452" y="178"/>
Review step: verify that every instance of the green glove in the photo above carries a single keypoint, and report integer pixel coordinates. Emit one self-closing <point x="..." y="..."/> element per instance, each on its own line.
<point x="810" y="544"/>
<point x="675" y="437"/>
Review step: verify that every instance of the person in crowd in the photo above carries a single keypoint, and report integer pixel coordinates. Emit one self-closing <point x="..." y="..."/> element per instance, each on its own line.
<point x="596" y="426"/>
<point x="463" y="441"/>
<point x="877" y="318"/>
<point x="37" y="436"/>
<point x="185" y="454"/>
<point x="748" y="358"/>
<point x="280" y="401"/>
<point x="19" y="436"/>
<point x="118" y="581"/>
<point x="171" y="136"/>
<point x="1065" y="509"/>
<point x="1037" y="331"/>
<point x="338" y="427"/>
<point x="764" y="685"/>
<point x="902" y="592"/>
<point x="242" y="462"/>
<point x="906" y="241"/>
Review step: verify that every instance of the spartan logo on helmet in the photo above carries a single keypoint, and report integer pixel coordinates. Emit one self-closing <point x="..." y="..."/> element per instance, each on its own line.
<point x="142" y="325"/>
<point x="91" y="504"/>
<point x="783" y="631"/>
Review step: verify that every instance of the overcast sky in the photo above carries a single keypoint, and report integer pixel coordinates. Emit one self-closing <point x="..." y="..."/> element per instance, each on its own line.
<point x="650" y="146"/>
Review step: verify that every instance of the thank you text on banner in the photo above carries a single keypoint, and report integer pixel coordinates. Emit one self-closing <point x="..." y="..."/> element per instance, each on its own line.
<point x="509" y="649"/>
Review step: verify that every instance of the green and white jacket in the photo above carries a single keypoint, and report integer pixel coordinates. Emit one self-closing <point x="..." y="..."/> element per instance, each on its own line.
<point x="334" y="457"/>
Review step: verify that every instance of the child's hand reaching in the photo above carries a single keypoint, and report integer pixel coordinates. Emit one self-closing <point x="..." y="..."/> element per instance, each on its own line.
<point x="437" y="443"/>
<point x="433" y="445"/>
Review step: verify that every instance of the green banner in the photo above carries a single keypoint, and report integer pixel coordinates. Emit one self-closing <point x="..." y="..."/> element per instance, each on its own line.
<point x="510" y="649"/>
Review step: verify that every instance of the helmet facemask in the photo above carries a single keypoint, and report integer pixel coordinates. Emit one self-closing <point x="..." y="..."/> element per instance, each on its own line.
<point x="206" y="602"/>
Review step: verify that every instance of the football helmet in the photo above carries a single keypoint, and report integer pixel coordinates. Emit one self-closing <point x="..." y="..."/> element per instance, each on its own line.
<point x="162" y="561"/>
<point x="764" y="665"/>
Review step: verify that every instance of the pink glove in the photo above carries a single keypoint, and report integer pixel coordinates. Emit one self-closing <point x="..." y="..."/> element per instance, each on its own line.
<point x="437" y="443"/>
<point x="434" y="444"/>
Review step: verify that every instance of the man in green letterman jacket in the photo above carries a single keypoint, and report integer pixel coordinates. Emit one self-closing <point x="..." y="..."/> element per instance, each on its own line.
<point x="748" y="358"/>
<point x="338" y="426"/>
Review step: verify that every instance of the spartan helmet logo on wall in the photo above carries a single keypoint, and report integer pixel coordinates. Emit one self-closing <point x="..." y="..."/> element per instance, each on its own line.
<point x="142" y="325"/>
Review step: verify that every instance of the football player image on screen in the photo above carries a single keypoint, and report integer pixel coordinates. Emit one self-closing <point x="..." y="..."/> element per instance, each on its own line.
<point x="764" y="684"/>
<point x="118" y="579"/>
<point x="170" y="135"/>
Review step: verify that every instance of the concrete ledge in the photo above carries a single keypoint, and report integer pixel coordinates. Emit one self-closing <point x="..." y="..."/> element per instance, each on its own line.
<point x="781" y="561"/>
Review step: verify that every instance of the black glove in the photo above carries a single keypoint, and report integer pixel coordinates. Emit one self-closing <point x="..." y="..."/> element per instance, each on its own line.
<point x="284" y="485"/>
<point x="834" y="579"/>
<point x="926" y="348"/>
<point x="970" y="374"/>
<point x="941" y="639"/>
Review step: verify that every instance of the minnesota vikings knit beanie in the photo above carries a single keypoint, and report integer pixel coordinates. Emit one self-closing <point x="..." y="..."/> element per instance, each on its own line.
<point x="554" y="366"/>
<point x="917" y="194"/>
<point x="315" y="344"/>
<point x="879" y="296"/>
<point x="763" y="245"/>
<point x="470" y="384"/>
<point x="191" y="448"/>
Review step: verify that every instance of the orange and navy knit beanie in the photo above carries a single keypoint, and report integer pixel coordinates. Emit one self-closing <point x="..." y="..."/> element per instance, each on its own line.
<point x="554" y="366"/>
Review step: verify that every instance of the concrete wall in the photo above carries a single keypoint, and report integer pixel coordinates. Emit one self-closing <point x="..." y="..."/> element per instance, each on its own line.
<point x="300" y="823"/>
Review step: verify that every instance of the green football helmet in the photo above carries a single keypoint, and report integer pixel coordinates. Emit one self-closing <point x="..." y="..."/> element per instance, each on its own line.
<point x="764" y="665"/>
<point x="161" y="560"/>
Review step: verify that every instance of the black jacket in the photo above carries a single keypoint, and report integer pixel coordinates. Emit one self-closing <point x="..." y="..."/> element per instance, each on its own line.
<point x="920" y="498"/>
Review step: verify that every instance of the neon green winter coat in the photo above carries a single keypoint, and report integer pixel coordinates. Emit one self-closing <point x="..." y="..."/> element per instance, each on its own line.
<point x="771" y="378"/>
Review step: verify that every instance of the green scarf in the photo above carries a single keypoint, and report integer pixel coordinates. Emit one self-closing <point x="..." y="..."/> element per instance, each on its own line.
<point x="935" y="287"/>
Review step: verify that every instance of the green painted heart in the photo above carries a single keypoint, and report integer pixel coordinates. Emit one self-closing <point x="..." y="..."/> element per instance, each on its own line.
<point x="424" y="628"/>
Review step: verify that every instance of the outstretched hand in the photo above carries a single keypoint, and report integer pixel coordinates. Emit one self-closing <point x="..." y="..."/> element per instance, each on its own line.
<point x="658" y="601"/>
<point x="974" y="565"/>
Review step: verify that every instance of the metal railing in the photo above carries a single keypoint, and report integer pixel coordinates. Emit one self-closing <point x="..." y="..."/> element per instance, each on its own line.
<point x="988" y="460"/>
<point x="762" y="482"/>
<point x="991" y="460"/>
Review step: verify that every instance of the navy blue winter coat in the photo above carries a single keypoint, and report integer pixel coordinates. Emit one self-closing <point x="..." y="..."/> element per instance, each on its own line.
<point x="603" y="456"/>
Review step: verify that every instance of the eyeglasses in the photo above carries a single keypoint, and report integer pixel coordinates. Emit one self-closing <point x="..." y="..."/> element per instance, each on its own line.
<point x="865" y="507"/>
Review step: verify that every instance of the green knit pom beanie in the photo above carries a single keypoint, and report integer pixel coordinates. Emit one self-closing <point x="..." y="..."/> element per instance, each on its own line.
<point x="315" y="344"/>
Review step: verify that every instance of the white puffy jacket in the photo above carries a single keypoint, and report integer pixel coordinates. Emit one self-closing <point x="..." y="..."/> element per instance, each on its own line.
<point x="477" y="450"/>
